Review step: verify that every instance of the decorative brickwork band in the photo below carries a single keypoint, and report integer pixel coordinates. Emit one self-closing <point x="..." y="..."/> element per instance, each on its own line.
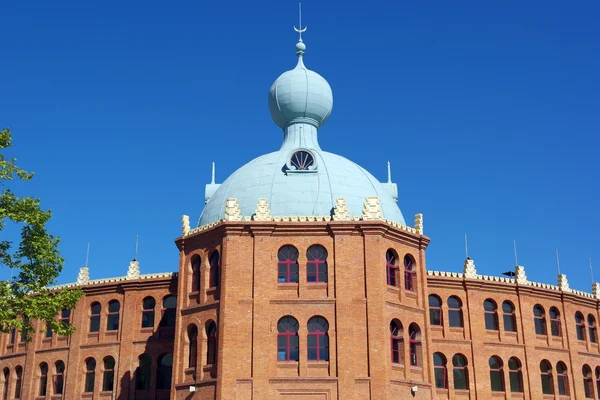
<point x="263" y="212"/>
<point x="232" y="210"/>
<point x="185" y="225"/>
<point x="563" y="284"/>
<point x="520" y="276"/>
<point x="372" y="209"/>
<point x="469" y="270"/>
<point x="419" y="223"/>
<point x="341" y="212"/>
<point x="134" y="270"/>
<point x="84" y="276"/>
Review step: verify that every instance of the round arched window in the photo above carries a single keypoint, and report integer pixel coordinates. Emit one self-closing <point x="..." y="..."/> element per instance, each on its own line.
<point x="302" y="160"/>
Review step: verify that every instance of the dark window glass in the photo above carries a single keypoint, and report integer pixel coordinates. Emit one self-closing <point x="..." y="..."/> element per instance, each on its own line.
<point x="148" y="312"/>
<point x="59" y="377"/>
<point x="539" y="320"/>
<point x="287" y="339"/>
<point x="435" y="310"/>
<point x="143" y="376"/>
<point x="546" y="376"/>
<point x="43" y="379"/>
<point x="515" y="375"/>
<point x="588" y="382"/>
<point x="163" y="373"/>
<point x="409" y="274"/>
<point x="580" y="326"/>
<point x="13" y="335"/>
<point x="318" y="340"/>
<point x="461" y="378"/>
<point x="65" y="317"/>
<point x="211" y="343"/>
<point x="562" y="378"/>
<point x="391" y="267"/>
<point x="439" y="370"/>
<point x="496" y="374"/>
<point x="316" y="264"/>
<point x="598" y="380"/>
<point x="25" y="332"/>
<point x="5" y="389"/>
<point x="414" y="337"/>
<point x="196" y="262"/>
<point x="455" y="316"/>
<point x="215" y="273"/>
<point x="287" y="266"/>
<point x="592" y="328"/>
<point x="555" y="327"/>
<point x="491" y="315"/>
<point x="302" y="160"/>
<point x="168" y="311"/>
<point x="95" y="317"/>
<point x="508" y="317"/>
<point x="113" y="315"/>
<point x="193" y="346"/>
<point x="108" y="381"/>
<point x="90" y="375"/>
<point x="397" y="343"/>
<point x="48" y="331"/>
<point x="19" y="382"/>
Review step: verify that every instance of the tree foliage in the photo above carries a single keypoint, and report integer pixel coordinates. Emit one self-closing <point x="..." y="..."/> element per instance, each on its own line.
<point x="35" y="260"/>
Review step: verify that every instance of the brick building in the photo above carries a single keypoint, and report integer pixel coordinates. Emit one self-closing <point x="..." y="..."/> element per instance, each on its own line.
<point x="303" y="281"/>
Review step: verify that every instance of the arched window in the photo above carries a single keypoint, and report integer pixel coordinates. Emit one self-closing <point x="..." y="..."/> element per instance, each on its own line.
<point x="414" y="337"/>
<point x="508" y="316"/>
<point x="168" y="311"/>
<point x="19" y="382"/>
<point x="25" y="332"/>
<point x="598" y="380"/>
<point x="496" y="374"/>
<point x="287" y="266"/>
<point x="48" y="331"/>
<point x="592" y="328"/>
<point x="539" y="319"/>
<point x="515" y="375"/>
<point x="95" y="310"/>
<point x="316" y="264"/>
<point x="113" y="315"/>
<point x="163" y="373"/>
<point x="196" y="262"/>
<point x="491" y="315"/>
<point x="391" y="267"/>
<point x="562" y="378"/>
<point x="6" y="385"/>
<point x="90" y="375"/>
<point x="58" y="380"/>
<point x="397" y="341"/>
<point x="215" y="273"/>
<point x="193" y="346"/>
<point x="588" y="382"/>
<point x="439" y="370"/>
<point x="555" y="328"/>
<point x="460" y="372"/>
<point x="148" y="305"/>
<point x="580" y="326"/>
<point x="455" y="315"/>
<point x="211" y="345"/>
<point x="546" y="375"/>
<point x="108" y="381"/>
<point x="287" y="339"/>
<point x="65" y="317"/>
<point x="435" y="310"/>
<point x="13" y="335"/>
<point x="409" y="273"/>
<point x="143" y="377"/>
<point x="43" y="379"/>
<point x="318" y="339"/>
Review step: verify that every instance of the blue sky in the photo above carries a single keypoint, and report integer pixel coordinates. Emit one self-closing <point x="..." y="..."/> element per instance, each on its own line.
<point x="489" y="113"/>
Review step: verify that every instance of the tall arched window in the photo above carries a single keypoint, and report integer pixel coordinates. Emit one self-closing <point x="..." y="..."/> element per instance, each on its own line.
<point x="113" y="315"/>
<point x="580" y="326"/>
<point x="515" y="375"/>
<point x="43" y="379"/>
<point x="397" y="342"/>
<point x="562" y="378"/>
<point x="491" y="315"/>
<point x="65" y="317"/>
<point x="196" y="262"/>
<point x="455" y="314"/>
<point x="555" y="328"/>
<point x="58" y="380"/>
<point x="148" y="305"/>
<point x="409" y="273"/>
<point x="435" y="310"/>
<point x="539" y="319"/>
<point x="143" y="376"/>
<point x="163" y="372"/>
<point x="460" y="372"/>
<point x="13" y="335"/>
<point x="287" y="339"/>
<point x="95" y="310"/>
<point x="546" y="376"/>
<point x="19" y="382"/>
<point x="592" y="328"/>
<point x="496" y="374"/>
<point x="48" y="333"/>
<point x="108" y="380"/>
<point x="168" y="311"/>
<point x="193" y="346"/>
<point x="215" y="273"/>
<point x="414" y="337"/>
<point x="588" y="382"/>
<point x="6" y="383"/>
<point x="391" y="267"/>
<point x="598" y="380"/>
<point x="318" y="339"/>
<point x="211" y="345"/>
<point x="508" y="316"/>
<point x="316" y="264"/>
<point x="439" y="371"/>
<point x="287" y="266"/>
<point x="90" y="375"/>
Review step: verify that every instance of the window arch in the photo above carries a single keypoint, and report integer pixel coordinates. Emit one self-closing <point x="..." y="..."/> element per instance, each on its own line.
<point x="496" y="374"/>
<point x="193" y="345"/>
<point x="43" y="379"/>
<point x="215" y="273"/>
<point x="148" y="305"/>
<point x="460" y="372"/>
<point x="546" y="375"/>
<point x="316" y="264"/>
<point x="19" y="382"/>
<point x="588" y="382"/>
<point x="6" y="383"/>
<point x="508" y="316"/>
<point x="539" y="319"/>
<point x="414" y="337"/>
<point x="455" y="314"/>
<point x="108" y="380"/>
<point x="143" y="377"/>
<point x="491" y="315"/>
<point x="555" y="326"/>
<point x="580" y="326"/>
<point x="397" y="341"/>
<point x="592" y="328"/>
<point x="196" y="262"/>
<point x="439" y="371"/>
<point x="211" y="347"/>
<point x="163" y="372"/>
<point x="113" y="315"/>
<point x="562" y="378"/>
<point x="409" y="273"/>
<point x="287" y="266"/>
<point x="597" y="379"/>
<point x="287" y="339"/>
<point x="90" y="375"/>
<point x="435" y="310"/>
<point x="318" y="339"/>
<point x="391" y="267"/>
<point x="95" y="309"/>
<point x="515" y="375"/>
<point x="169" y="306"/>
<point x="58" y="380"/>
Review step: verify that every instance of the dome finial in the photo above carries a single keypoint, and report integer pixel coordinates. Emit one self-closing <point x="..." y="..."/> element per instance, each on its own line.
<point x="300" y="46"/>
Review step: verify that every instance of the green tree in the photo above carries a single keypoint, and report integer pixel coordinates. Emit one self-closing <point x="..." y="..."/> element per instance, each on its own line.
<point x="34" y="260"/>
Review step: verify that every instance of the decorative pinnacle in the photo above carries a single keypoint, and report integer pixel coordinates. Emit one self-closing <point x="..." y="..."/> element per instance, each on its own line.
<point x="389" y="173"/>
<point x="300" y="30"/>
<point x="213" y="174"/>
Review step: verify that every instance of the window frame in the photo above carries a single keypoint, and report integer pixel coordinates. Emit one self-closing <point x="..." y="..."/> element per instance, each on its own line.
<point x="18" y="382"/>
<point x="108" y="374"/>
<point x="164" y="372"/>
<point x="318" y="262"/>
<point x="415" y="349"/>
<point x="498" y="373"/>
<point x="592" y="330"/>
<point x="211" y="342"/>
<point x="168" y="315"/>
<point x="287" y="327"/>
<point x="291" y="274"/>
<point x="214" y="262"/>
<point x="391" y="268"/>
<point x="440" y="367"/>
<point x="491" y="314"/>
<point x="317" y="328"/>
<point x="509" y="316"/>
<point x="546" y="378"/>
<point x="435" y="311"/>
<point x="148" y="313"/>
<point x="515" y="371"/>
<point x="588" y="381"/>
<point x="90" y="376"/>
<point x="196" y="265"/>
<point x="144" y="373"/>
<point x="456" y="312"/>
<point x="409" y="273"/>
<point x="58" y="378"/>
<point x="580" y="326"/>
<point x="43" y="389"/>
<point x="113" y="316"/>
<point x="539" y="320"/>
<point x="95" y="319"/>
<point x="192" y="334"/>
<point x="555" y="323"/>
<point x="397" y="340"/>
<point x="463" y="368"/>
<point x="562" y="379"/>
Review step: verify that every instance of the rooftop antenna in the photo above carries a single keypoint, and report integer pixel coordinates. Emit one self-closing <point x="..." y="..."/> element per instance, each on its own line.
<point x="212" y="182"/>
<point x="389" y="173"/>
<point x="87" y="255"/>
<point x="466" y="247"/>
<point x="137" y="237"/>
<point x="300" y="30"/>
<point x="557" y="262"/>
<point x="591" y="270"/>
<point x="515" y="248"/>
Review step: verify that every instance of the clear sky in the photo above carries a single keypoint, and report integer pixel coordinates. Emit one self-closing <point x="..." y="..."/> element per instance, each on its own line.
<point x="488" y="111"/>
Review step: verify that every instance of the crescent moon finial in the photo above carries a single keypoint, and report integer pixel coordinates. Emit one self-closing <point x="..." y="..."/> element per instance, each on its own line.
<point x="300" y="30"/>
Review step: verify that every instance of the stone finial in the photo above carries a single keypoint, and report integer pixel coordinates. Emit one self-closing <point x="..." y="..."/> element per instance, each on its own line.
<point x="563" y="283"/>
<point x="134" y="270"/>
<point x="185" y="225"/>
<point x="469" y="270"/>
<point x="372" y="209"/>
<point x="341" y="212"/>
<point x="520" y="276"/>
<point x="419" y="223"/>
<point x="84" y="276"/>
<point x="232" y="210"/>
<point x="596" y="290"/>
<point x="263" y="212"/>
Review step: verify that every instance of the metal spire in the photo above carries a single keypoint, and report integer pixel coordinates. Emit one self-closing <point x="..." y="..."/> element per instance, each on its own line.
<point x="87" y="255"/>
<point x="137" y="238"/>
<point x="557" y="261"/>
<point x="515" y="247"/>
<point x="389" y="173"/>
<point x="300" y="30"/>
<point x="466" y="246"/>
<point x="213" y="174"/>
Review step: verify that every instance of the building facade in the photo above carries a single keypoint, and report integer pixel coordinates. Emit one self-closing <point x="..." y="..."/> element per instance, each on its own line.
<point x="303" y="281"/>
